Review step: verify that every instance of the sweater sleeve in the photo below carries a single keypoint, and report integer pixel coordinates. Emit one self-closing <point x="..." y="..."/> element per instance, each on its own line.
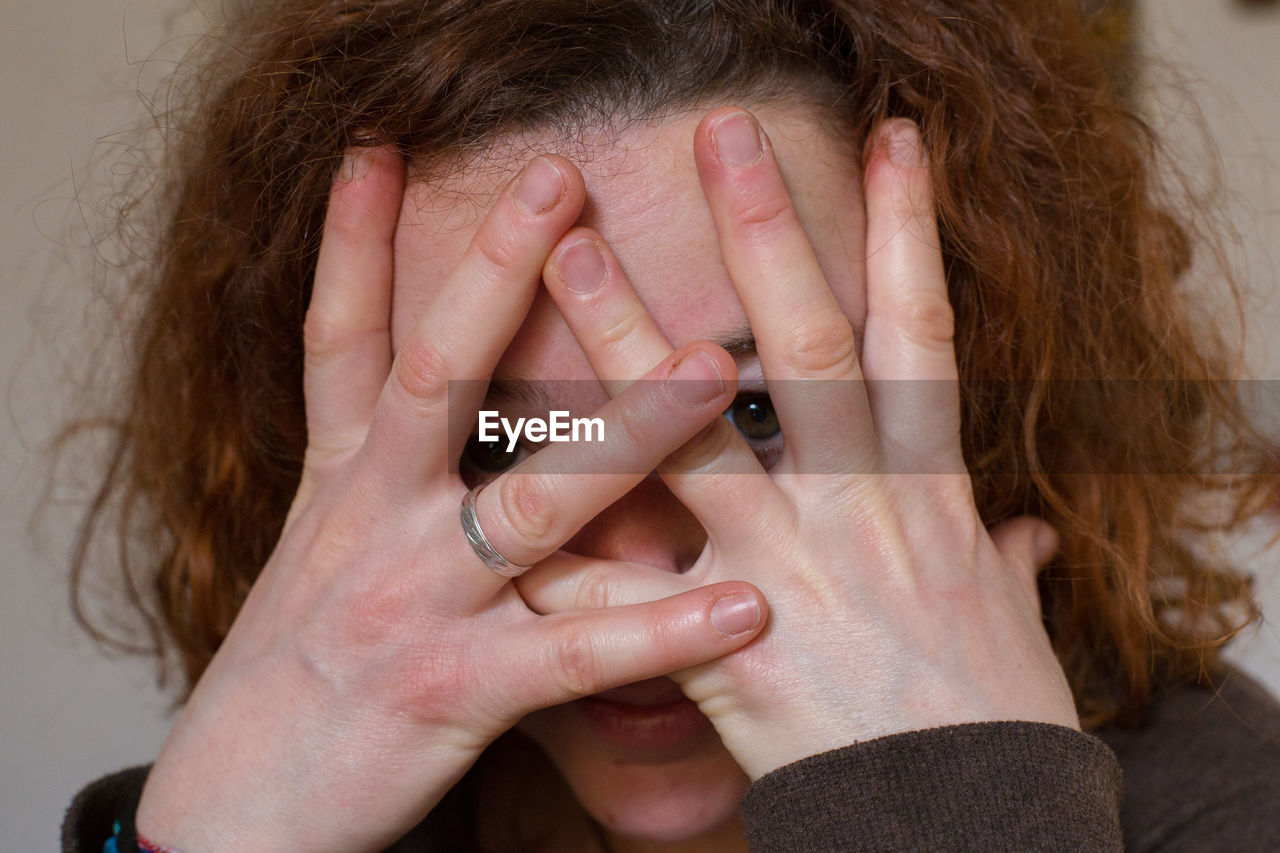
<point x="979" y="786"/>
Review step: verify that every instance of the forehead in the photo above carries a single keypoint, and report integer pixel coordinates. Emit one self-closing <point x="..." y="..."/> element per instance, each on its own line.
<point x="644" y="197"/>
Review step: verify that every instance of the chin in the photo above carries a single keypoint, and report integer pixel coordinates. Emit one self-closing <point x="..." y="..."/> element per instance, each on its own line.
<point x="652" y="771"/>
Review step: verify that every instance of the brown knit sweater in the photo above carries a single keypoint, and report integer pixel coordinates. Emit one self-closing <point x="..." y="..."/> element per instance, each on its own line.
<point x="1201" y="774"/>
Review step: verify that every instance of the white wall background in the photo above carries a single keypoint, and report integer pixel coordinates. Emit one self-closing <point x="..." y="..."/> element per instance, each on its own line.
<point x="1225" y="53"/>
<point x="69" y="714"/>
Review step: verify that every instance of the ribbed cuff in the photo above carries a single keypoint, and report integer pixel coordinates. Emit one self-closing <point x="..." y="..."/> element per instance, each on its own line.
<point x="973" y="787"/>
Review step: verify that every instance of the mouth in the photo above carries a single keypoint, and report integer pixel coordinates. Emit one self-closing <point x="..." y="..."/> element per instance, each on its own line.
<point x="652" y="691"/>
<point x="650" y="717"/>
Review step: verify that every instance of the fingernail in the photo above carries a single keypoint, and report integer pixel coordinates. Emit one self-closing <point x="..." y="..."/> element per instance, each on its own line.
<point x="582" y="267"/>
<point x="735" y="614"/>
<point x="356" y="163"/>
<point x="737" y="140"/>
<point x="904" y="144"/>
<point x="539" y="187"/>
<point x="695" y="380"/>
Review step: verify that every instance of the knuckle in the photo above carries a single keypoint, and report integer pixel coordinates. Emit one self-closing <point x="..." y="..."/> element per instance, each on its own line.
<point x="526" y="506"/>
<point x="436" y="685"/>
<point x="618" y="331"/>
<point x="595" y="591"/>
<point x="631" y="426"/>
<point x="574" y="665"/>
<point x="422" y="371"/>
<point x="956" y="502"/>
<point x="374" y="616"/>
<point x="498" y="250"/>
<point x="323" y="335"/>
<point x="762" y="213"/>
<point x="703" y="449"/>
<point x="324" y="457"/>
<point x="822" y="344"/>
<point x="929" y="319"/>
<point x="907" y="205"/>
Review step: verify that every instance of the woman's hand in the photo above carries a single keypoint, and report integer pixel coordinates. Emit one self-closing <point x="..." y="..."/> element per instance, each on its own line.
<point x="892" y="607"/>
<point x="377" y="655"/>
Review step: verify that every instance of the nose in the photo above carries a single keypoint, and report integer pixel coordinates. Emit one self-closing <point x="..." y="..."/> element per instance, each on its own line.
<point x="648" y="525"/>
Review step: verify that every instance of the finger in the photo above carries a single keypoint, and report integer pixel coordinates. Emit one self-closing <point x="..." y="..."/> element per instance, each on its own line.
<point x="532" y="510"/>
<point x="908" y="352"/>
<point x="607" y="318"/>
<point x="719" y="479"/>
<point x="800" y="331"/>
<point x="566" y="656"/>
<point x="621" y="340"/>
<point x="470" y="323"/>
<point x="1028" y="544"/>
<point x="567" y="581"/>
<point x="346" y="334"/>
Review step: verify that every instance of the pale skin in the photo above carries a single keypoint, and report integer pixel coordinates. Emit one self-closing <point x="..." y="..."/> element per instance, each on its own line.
<point x="376" y="657"/>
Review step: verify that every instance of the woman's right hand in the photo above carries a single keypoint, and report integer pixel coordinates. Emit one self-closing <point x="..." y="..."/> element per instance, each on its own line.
<point x="376" y="656"/>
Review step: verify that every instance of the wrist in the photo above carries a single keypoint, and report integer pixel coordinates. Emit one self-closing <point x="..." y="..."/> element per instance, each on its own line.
<point x="190" y="806"/>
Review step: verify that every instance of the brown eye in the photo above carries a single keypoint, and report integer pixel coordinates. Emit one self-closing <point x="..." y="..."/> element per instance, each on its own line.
<point x="489" y="457"/>
<point x="754" y="417"/>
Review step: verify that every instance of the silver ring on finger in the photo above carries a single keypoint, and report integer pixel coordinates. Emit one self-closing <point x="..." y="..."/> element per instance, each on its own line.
<point x="480" y="543"/>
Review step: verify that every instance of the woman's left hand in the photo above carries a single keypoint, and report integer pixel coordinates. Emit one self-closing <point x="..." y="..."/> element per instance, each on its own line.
<point x="893" y="608"/>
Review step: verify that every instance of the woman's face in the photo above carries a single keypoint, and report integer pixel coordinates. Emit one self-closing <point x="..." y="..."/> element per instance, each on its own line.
<point x="642" y="761"/>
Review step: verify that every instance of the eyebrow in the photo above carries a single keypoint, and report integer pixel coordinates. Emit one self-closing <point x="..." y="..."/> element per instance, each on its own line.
<point x="740" y="343"/>
<point x="518" y="392"/>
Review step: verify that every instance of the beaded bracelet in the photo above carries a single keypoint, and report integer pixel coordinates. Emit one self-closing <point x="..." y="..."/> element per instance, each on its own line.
<point x="144" y="846"/>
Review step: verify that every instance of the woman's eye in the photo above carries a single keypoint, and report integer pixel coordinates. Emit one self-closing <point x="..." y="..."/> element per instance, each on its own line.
<point x="754" y="417"/>
<point x="481" y="458"/>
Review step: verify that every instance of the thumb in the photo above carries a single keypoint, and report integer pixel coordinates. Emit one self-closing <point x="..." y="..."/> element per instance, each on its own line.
<point x="1027" y="544"/>
<point x="565" y="656"/>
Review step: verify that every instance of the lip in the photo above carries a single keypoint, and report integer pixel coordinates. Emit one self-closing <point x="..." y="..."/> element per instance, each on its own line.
<point x="648" y="718"/>
<point x="653" y="691"/>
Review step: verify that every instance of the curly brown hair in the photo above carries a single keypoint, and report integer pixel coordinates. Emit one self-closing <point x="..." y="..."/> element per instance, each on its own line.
<point x="1064" y="262"/>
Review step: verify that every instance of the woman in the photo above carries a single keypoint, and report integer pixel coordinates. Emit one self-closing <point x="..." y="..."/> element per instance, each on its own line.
<point x="882" y="601"/>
